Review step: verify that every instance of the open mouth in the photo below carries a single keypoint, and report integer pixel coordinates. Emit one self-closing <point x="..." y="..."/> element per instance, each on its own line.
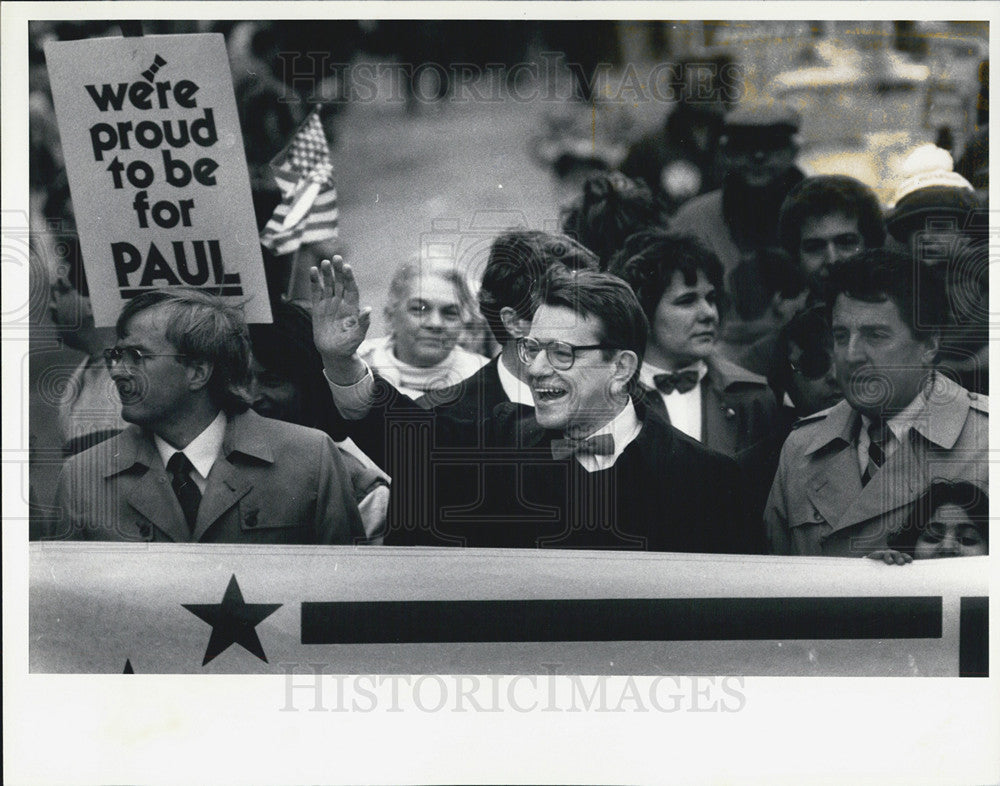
<point x="548" y="394"/>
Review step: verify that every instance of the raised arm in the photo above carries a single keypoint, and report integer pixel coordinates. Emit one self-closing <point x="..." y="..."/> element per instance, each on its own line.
<point x="339" y="323"/>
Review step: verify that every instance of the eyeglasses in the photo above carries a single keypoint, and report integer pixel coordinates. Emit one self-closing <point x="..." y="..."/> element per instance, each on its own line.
<point x="812" y="365"/>
<point x="560" y="354"/>
<point x="132" y="357"/>
<point x="846" y="243"/>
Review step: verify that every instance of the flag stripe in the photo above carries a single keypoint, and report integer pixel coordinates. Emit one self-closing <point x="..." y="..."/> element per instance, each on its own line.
<point x="304" y="160"/>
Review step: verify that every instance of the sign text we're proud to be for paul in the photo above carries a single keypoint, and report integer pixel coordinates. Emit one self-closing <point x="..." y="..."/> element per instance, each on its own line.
<point x="157" y="170"/>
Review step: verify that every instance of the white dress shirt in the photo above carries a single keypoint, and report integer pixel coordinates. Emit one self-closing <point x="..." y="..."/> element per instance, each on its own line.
<point x="899" y="426"/>
<point x="684" y="409"/>
<point x="202" y="451"/>
<point x="625" y="427"/>
<point x="516" y="390"/>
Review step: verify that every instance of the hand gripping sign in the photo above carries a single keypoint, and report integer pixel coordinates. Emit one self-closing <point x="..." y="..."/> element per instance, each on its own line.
<point x="156" y="167"/>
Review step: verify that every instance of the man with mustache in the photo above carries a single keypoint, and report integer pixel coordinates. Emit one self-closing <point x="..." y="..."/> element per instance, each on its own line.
<point x="196" y="465"/>
<point x="589" y="468"/>
<point x="849" y="476"/>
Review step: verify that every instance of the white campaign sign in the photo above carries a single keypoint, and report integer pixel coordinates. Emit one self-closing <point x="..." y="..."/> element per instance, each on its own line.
<point x="157" y="170"/>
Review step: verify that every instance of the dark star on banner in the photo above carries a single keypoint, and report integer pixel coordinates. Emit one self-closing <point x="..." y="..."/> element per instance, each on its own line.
<point x="233" y="622"/>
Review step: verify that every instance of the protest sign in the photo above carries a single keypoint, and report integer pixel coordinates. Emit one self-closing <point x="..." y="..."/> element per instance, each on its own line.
<point x="157" y="171"/>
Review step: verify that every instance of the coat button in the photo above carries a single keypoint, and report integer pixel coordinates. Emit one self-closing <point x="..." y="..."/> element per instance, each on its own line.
<point x="817" y="516"/>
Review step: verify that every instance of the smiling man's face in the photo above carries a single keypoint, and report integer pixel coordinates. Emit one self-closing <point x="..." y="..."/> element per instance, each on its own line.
<point x="585" y="397"/>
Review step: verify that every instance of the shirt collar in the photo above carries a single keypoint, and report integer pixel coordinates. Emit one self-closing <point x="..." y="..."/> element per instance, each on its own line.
<point x="941" y="423"/>
<point x="647" y="371"/>
<point x="624" y="427"/>
<point x="902" y="421"/>
<point x="202" y="451"/>
<point x="516" y="390"/>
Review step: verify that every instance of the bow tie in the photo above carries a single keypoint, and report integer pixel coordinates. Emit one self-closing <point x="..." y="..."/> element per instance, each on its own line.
<point x="600" y="445"/>
<point x="681" y="381"/>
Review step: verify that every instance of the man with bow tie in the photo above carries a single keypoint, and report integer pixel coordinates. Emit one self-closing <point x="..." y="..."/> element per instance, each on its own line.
<point x="679" y="282"/>
<point x="588" y="469"/>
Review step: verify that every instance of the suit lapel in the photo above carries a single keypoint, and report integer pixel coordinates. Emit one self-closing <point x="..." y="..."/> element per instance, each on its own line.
<point x="718" y="421"/>
<point x="148" y="492"/>
<point x="225" y="487"/>
<point x="897" y="483"/>
<point x="835" y="480"/>
<point x="152" y="496"/>
<point x="653" y="401"/>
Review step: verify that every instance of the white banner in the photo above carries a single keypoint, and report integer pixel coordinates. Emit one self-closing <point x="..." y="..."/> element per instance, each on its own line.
<point x="183" y="608"/>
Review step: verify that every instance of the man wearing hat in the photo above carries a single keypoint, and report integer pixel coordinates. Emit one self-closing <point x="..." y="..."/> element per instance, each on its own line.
<point x="740" y="220"/>
<point x="938" y="221"/>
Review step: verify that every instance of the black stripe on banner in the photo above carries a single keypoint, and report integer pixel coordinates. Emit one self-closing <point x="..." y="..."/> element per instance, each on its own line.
<point x="974" y="637"/>
<point x="634" y="619"/>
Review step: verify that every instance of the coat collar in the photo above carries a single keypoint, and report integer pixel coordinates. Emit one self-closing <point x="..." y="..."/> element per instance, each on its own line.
<point x="246" y="433"/>
<point x="945" y="411"/>
<point x="723" y="374"/>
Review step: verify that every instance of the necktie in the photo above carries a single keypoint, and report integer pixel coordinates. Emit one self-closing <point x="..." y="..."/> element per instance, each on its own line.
<point x="681" y="381"/>
<point x="878" y="435"/>
<point x="600" y="445"/>
<point x="187" y="492"/>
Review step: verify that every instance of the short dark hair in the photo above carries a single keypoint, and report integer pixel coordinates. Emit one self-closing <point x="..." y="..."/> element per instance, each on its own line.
<point x="203" y="327"/>
<point x="612" y="208"/>
<point x="809" y="330"/>
<point x="518" y="260"/>
<point x="603" y="296"/>
<point x="650" y="259"/>
<point x="877" y="276"/>
<point x="285" y="347"/>
<point x="825" y="195"/>
<point x="969" y="496"/>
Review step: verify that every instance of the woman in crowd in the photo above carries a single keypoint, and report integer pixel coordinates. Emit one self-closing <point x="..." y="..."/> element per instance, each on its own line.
<point x="428" y="309"/>
<point x="679" y="284"/>
<point x="950" y="519"/>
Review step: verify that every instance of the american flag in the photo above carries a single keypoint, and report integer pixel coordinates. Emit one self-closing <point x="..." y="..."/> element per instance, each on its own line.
<point x="304" y="172"/>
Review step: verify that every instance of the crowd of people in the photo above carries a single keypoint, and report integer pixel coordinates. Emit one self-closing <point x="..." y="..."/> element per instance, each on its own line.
<point x="720" y="356"/>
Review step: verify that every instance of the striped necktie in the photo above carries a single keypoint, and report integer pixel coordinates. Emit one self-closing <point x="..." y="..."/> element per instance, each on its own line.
<point x="878" y="436"/>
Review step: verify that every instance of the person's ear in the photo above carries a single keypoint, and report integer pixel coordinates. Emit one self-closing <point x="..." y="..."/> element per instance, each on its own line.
<point x="932" y="344"/>
<point x="515" y="325"/>
<point x="626" y="364"/>
<point x="199" y="372"/>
